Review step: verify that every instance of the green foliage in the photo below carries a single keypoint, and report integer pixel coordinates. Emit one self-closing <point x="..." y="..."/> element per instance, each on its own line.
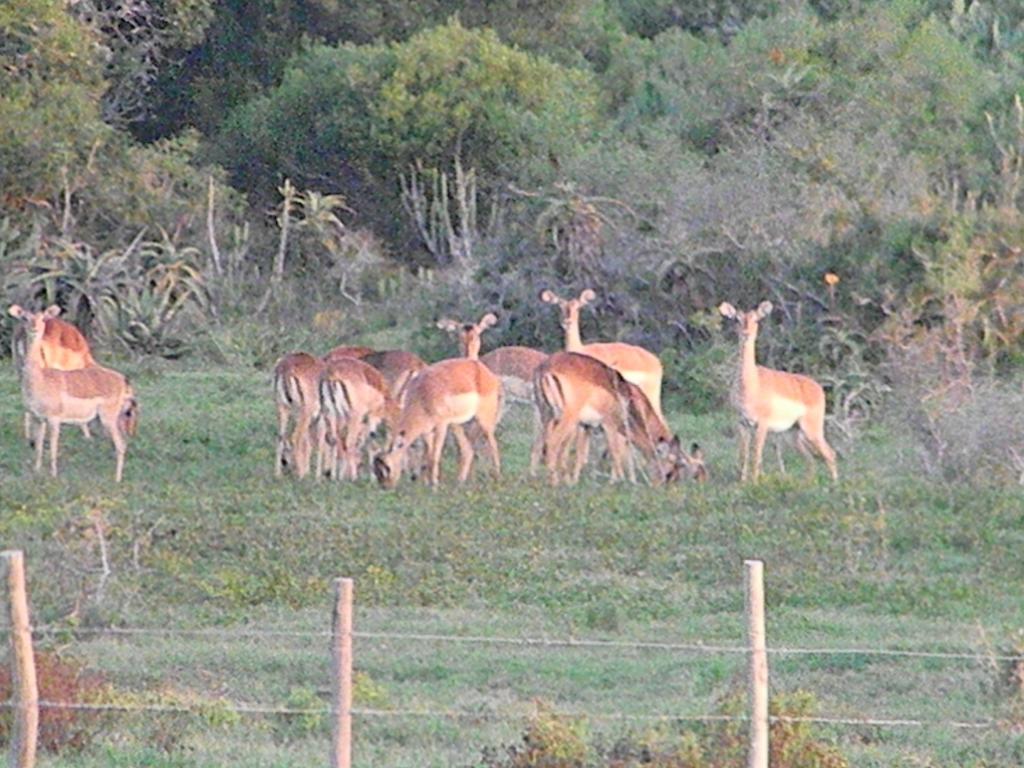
<point x="455" y="91"/>
<point x="558" y="741"/>
<point x="149" y="297"/>
<point x="50" y="84"/>
<point x="373" y="110"/>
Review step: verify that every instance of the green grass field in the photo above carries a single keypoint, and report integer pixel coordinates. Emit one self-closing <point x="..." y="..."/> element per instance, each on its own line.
<point x="200" y="534"/>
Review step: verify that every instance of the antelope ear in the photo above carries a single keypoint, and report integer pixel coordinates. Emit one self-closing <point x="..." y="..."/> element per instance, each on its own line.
<point x="666" y="448"/>
<point x="587" y="296"/>
<point x="696" y="453"/>
<point x="446" y="324"/>
<point x="549" y="297"/>
<point x="52" y="311"/>
<point x="764" y="309"/>
<point x="726" y="309"/>
<point x="487" y="321"/>
<point x="15" y="310"/>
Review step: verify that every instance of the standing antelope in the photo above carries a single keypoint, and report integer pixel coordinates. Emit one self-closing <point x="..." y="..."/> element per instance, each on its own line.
<point x="770" y="400"/>
<point x="297" y="393"/>
<point x="513" y="365"/>
<point x="636" y="364"/>
<point x="445" y="394"/>
<point x="63" y="348"/>
<point x="574" y="390"/>
<point x="56" y="397"/>
<point x="469" y="334"/>
<point x="354" y="398"/>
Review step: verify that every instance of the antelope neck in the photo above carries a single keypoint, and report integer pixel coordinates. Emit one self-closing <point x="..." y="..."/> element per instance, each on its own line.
<point x="748" y="365"/>
<point x="573" y="342"/>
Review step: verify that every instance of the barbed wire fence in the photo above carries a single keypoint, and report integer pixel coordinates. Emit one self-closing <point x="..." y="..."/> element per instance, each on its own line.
<point x="26" y="703"/>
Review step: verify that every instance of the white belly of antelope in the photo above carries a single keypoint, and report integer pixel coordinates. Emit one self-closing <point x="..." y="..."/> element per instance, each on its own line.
<point x="783" y="413"/>
<point x="590" y="416"/>
<point x="463" y="407"/>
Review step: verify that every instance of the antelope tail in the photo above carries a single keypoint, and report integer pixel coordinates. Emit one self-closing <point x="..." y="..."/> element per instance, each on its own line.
<point x="335" y="397"/>
<point x="550" y="396"/>
<point x="288" y="389"/>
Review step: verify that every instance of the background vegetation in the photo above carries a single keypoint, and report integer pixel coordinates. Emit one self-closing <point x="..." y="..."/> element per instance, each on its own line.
<point x="219" y="183"/>
<point x="188" y="176"/>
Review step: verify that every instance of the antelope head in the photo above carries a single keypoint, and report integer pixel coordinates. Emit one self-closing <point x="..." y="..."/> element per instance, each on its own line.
<point x="746" y="321"/>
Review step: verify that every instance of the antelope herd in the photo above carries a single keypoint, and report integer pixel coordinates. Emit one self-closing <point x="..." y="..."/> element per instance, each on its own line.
<point x="328" y="407"/>
<point x="335" y="404"/>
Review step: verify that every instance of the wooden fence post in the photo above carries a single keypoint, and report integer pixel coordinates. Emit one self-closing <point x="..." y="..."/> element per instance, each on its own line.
<point x="341" y="675"/>
<point x="754" y="582"/>
<point x="25" y="693"/>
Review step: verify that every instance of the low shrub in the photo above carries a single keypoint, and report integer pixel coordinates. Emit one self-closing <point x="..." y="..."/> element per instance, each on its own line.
<point x="62" y="680"/>
<point x="556" y="741"/>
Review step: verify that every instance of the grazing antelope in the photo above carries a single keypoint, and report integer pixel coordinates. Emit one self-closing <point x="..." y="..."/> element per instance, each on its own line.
<point x="770" y="400"/>
<point x="445" y="394"/>
<point x="355" y="399"/>
<point x="574" y="390"/>
<point x="64" y="348"/>
<point x="56" y="397"/>
<point x="345" y="352"/>
<point x="515" y="367"/>
<point x="652" y="436"/>
<point x="397" y="366"/>
<point x="297" y="393"/>
<point x="636" y="364"/>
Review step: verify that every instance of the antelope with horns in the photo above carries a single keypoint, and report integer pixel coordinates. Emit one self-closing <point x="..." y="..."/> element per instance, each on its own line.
<point x="63" y="348"/>
<point x="441" y="396"/>
<point x="770" y="400"/>
<point x="355" y="399"/>
<point x="297" y="396"/>
<point x="513" y="365"/>
<point x="573" y="391"/>
<point x="636" y="364"/>
<point x="55" y="397"/>
<point x="469" y="334"/>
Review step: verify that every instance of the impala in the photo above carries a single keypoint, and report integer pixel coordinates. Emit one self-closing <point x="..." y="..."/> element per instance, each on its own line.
<point x="63" y="348"/>
<point x="445" y="394"/>
<point x="339" y="353"/>
<point x="770" y="400"/>
<point x="573" y="391"/>
<point x="513" y="365"/>
<point x="635" y="364"/>
<point x="469" y="334"/>
<point x="55" y="397"/>
<point x="397" y="367"/>
<point x="354" y="399"/>
<point x="297" y="395"/>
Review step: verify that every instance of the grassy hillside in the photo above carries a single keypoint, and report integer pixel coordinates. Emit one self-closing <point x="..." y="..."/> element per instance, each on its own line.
<point x="201" y="535"/>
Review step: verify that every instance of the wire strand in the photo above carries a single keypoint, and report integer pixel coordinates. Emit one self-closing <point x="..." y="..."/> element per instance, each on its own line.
<point x="532" y="641"/>
<point x="258" y="709"/>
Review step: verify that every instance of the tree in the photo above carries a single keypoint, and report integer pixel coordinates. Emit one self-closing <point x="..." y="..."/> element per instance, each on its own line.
<point x="50" y="86"/>
<point x="353" y="118"/>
